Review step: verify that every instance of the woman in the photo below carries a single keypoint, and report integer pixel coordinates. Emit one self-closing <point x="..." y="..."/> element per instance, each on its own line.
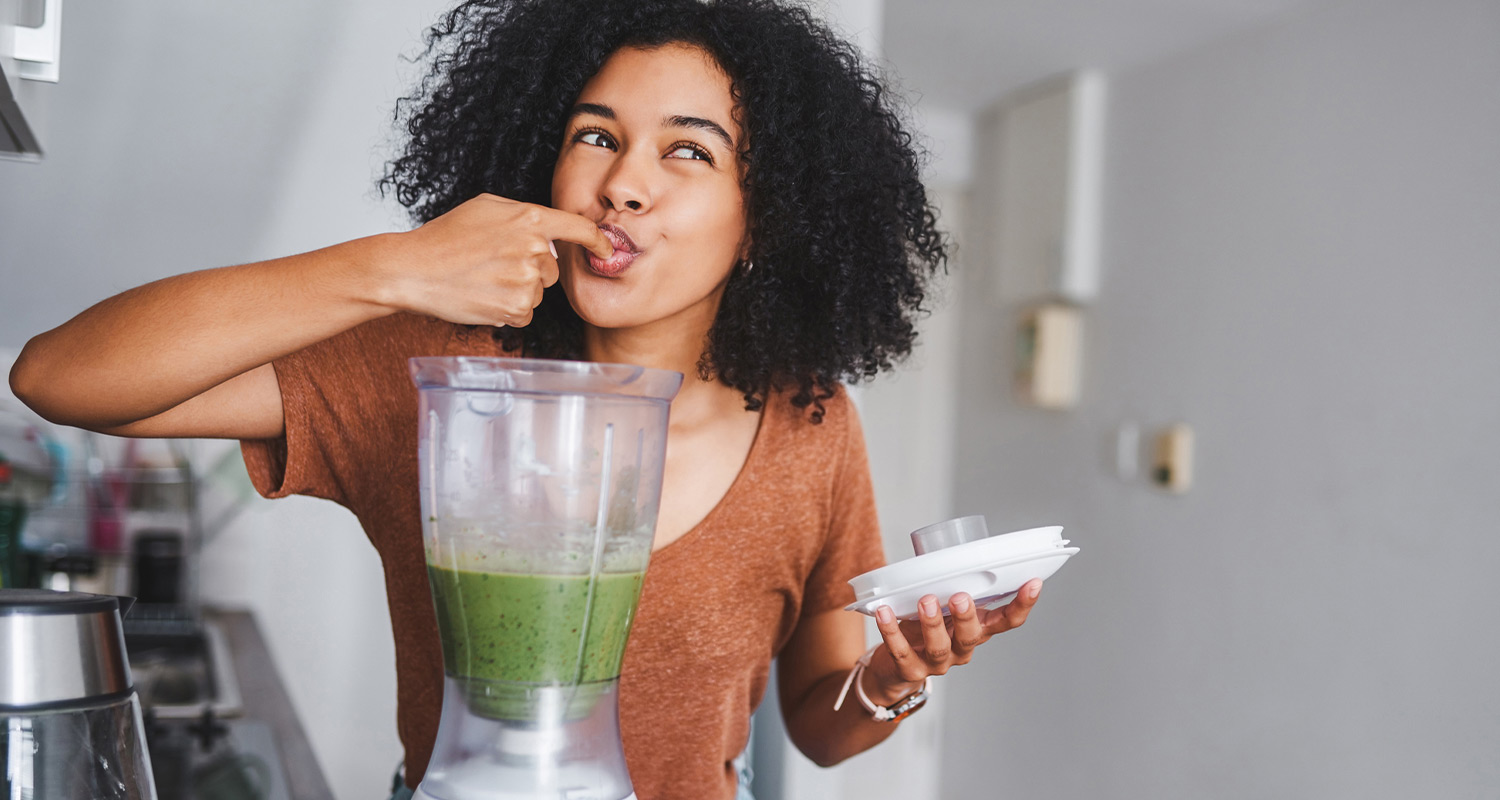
<point x="719" y="189"/>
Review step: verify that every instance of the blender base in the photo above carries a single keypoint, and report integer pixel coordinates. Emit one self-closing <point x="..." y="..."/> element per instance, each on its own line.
<point x="550" y="756"/>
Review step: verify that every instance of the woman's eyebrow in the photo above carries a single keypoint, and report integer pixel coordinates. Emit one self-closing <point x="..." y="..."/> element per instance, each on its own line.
<point x="699" y="123"/>
<point x="597" y="109"/>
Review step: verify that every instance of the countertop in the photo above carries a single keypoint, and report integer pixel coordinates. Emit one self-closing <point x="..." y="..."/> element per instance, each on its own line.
<point x="265" y="699"/>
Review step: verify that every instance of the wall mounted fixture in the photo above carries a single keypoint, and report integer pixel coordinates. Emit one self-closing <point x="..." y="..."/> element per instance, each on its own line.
<point x="1049" y="142"/>
<point x="1050" y="349"/>
<point x="27" y="52"/>
<point x="1172" y="466"/>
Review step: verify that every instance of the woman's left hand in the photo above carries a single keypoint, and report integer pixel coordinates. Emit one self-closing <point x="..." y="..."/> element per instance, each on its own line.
<point x="932" y="644"/>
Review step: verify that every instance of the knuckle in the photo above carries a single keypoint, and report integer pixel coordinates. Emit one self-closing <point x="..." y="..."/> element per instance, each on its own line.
<point x="938" y="654"/>
<point x="522" y="274"/>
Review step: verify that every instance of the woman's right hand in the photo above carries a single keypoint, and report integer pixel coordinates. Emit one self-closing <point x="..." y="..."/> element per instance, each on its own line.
<point x="485" y="262"/>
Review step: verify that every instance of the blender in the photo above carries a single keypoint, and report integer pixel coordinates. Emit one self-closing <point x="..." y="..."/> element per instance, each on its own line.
<point x="70" y="719"/>
<point x="540" y="482"/>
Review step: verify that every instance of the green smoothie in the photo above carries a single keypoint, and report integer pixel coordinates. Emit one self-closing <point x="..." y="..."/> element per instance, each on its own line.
<point x="501" y="629"/>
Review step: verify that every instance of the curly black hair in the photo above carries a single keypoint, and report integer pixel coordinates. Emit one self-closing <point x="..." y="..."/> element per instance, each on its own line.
<point x="843" y="239"/>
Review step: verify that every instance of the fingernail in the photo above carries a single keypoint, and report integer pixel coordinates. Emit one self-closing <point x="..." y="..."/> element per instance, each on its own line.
<point x="551" y="245"/>
<point x="1036" y="590"/>
<point x="929" y="607"/>
<point x="885" y="615"/>
<point x="960" y="604"/>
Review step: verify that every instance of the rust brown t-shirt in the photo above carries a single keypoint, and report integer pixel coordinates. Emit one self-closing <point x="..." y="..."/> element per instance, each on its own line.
<point x="718" y="604"/>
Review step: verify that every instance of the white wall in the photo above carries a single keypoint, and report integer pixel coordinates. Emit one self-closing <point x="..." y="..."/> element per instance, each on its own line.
<point x="1302" y="260"/>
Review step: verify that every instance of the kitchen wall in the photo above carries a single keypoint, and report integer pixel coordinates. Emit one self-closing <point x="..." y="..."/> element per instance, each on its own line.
<point x="1301" y="260"/>
<point x="187" y="135"/>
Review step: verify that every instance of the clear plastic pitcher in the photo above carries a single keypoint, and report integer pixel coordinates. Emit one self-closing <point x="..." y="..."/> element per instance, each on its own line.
<point x="539" y="489"/>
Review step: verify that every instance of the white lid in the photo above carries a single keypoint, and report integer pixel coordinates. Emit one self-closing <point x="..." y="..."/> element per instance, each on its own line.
<point x="993" y="549"/>
<point x="987" y="569"/>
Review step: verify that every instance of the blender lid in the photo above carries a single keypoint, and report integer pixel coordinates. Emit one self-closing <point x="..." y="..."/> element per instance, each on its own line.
<point x="543" y="376"/>
<point x="960" y="556"/>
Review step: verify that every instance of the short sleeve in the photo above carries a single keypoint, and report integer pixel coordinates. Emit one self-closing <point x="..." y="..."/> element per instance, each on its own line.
<point x="341" y="399"/>
<point x="296" y="462"/>
<point x="853" y="545"/>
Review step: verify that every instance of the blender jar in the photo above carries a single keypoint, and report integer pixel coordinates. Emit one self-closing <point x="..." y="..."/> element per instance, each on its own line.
<point x="539" y="489"/>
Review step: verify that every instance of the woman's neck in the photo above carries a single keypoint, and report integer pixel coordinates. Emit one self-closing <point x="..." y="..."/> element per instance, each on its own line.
<point x="699" y="401"/>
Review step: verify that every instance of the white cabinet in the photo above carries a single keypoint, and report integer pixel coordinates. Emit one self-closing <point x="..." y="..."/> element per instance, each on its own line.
<point x="30" y="50"/>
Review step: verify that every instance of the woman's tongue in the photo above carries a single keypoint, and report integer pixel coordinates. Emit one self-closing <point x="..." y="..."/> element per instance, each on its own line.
<point x="618" y="262"/>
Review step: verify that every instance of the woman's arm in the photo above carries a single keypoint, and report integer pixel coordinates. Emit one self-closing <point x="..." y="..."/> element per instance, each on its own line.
<point x="190" y="355"/>
<point x="824" y="647"/>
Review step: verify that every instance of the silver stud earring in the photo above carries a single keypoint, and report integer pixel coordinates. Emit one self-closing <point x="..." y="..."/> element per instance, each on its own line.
<point x="746" y="266"/>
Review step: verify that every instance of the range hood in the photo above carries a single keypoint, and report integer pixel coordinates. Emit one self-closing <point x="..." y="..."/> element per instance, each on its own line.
<point x="29" y="48"/>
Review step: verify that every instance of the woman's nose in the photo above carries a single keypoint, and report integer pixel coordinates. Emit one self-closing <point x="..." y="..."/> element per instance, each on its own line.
<point x="626" y="188"/>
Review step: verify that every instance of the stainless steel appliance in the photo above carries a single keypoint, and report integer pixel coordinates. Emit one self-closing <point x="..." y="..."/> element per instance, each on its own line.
<point x="70" y="721"/>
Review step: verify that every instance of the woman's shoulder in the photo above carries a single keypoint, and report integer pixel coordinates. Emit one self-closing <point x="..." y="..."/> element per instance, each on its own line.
<point x="836" y="406"/>
<point x="827" y="422"/>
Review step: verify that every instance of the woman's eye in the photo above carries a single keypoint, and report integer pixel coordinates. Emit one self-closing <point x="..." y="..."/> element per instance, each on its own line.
<point x="690" y="151"/>
<point x="595" y="139"/>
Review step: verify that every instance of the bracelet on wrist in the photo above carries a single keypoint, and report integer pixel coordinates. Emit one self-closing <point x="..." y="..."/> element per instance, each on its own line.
<point x="900" y="710"/>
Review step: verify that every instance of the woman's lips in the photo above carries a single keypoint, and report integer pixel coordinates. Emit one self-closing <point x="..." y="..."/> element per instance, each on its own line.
<point x="624" y="255"/>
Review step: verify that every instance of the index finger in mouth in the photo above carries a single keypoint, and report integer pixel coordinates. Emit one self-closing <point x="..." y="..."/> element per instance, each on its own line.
<point x="569" y="227"/>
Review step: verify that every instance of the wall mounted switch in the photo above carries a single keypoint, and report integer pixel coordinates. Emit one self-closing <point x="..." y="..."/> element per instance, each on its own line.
<point x="1050" y="348"/>
<point x="1172" y="466"/>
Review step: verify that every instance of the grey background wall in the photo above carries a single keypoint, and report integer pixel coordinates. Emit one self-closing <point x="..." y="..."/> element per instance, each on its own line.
<point x="1302" y="260"/>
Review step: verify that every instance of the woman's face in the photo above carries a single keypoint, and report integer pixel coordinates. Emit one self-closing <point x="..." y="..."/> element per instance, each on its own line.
<point x="650" y="153"/>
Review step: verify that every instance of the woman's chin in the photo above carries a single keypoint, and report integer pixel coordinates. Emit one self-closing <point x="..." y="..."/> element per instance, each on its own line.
<point x="603" y="304"/>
